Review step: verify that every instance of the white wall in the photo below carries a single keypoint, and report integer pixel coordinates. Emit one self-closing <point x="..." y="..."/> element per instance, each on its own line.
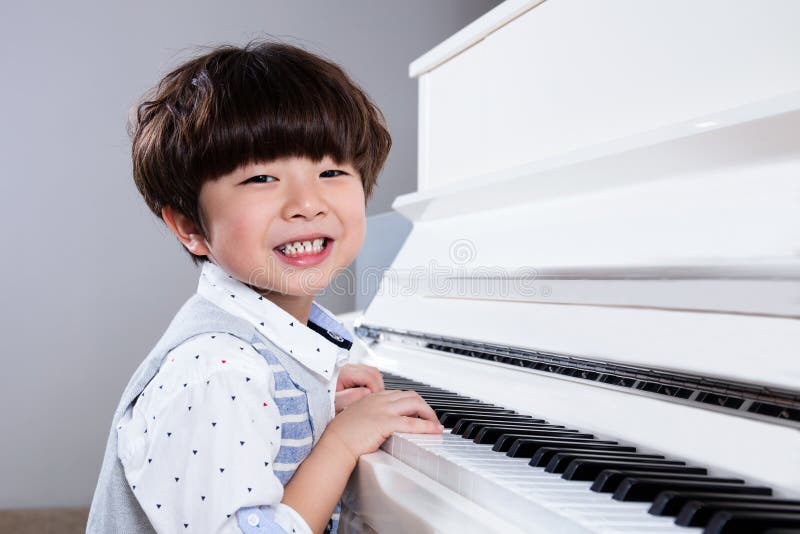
<point x="89" y="277"/>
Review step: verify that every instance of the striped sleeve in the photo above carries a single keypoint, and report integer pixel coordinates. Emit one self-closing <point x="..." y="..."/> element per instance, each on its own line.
<point x="201" y="445"/>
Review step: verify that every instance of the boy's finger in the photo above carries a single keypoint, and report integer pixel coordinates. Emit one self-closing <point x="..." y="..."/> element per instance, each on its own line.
<point x="414" y="405"/>
<point x="397" y="394"/>
<point x="362" y="376"/>
<point x="377" y="379"/>
<point x="346" y="397"/>
<point x="420" y="426"/>
<point x="368" y="377"/>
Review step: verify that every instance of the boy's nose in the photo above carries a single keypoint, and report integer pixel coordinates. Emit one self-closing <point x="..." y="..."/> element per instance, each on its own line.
<point x="304" y="202"/>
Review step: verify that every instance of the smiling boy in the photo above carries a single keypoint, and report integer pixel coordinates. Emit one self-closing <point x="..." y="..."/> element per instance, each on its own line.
<point x="259" y="160"/>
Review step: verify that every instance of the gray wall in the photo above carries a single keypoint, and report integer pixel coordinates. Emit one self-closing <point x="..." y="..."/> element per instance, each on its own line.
<point x="90" y="279"/>
<point x="386" y="233"/>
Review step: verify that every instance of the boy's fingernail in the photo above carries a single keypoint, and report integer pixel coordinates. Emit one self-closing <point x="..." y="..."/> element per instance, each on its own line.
<point x="441" y="428"/>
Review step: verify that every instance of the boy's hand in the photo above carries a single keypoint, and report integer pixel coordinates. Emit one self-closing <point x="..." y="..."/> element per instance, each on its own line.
<point x="366" y="423"/>
<point x="356" y="381"/>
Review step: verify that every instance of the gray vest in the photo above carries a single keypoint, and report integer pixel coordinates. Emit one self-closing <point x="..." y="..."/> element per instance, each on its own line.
<point x="114" y="507"/>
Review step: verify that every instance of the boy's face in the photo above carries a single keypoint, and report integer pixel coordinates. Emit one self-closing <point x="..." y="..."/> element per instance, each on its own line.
<point x="251" y="213"/>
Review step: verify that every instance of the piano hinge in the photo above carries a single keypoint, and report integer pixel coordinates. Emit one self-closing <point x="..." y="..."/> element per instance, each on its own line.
<point x="771" y="404"/>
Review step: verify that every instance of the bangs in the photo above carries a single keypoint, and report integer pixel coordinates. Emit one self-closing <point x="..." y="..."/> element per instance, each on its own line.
<point x="262" y="108"/>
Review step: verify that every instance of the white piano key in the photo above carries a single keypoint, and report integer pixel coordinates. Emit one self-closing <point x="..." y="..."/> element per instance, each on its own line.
<point x="497" y="482"/>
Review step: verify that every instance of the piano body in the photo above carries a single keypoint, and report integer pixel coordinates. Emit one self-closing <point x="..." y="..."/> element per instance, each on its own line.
<point x="604" y="263"/>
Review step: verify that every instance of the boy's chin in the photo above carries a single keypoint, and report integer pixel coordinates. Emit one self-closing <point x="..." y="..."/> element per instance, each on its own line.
<point x="304" y="292"/>
<point x="289" y="289"/>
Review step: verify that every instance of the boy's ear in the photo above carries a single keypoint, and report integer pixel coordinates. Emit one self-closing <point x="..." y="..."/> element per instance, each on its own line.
<point x="185" y="230"/>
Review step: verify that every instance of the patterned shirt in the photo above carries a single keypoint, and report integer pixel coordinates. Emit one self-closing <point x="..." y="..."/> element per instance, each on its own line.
<point x="216" y="434"/>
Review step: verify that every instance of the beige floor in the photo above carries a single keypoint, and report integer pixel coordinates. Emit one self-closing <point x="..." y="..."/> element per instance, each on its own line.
<point x="44" y="521"/>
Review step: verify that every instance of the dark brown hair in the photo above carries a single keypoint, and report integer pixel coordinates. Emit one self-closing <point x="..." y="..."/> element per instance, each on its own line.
<point x="238" y="105"/>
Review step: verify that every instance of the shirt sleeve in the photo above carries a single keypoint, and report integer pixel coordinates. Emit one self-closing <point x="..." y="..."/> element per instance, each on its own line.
<point x="198" y="446"/>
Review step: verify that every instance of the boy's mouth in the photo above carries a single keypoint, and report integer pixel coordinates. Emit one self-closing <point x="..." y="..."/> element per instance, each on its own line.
<point x="307" y="247"/>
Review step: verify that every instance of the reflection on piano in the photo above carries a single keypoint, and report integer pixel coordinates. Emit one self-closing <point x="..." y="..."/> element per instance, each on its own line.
<point x="600" y="295"/>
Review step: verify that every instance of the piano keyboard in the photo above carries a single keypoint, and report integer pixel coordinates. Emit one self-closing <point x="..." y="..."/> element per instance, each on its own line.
<point x="557" y="479"/>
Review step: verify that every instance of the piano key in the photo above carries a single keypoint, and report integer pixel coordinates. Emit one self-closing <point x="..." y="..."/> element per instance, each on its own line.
<point x="471" y="425"/>
<point x="450" y="419"/>
<point x="490" y="434"/>
<point x="609" y="480"/>
<point x="560" y="461"/>
<point x="542" y="457"/>
<point x="750" y="522"/>
<point x="444" y="395"/>
<point x="455" y="414"/>
<point x="698" y="513"/>
<point x="608" y="473"/>
<point x="526" y="447"/>
<point x="411" y="387"/>
<point x="454" y="399"/>
<point x="473" y="464"/>
<point x="441" y="409"/>
<point x="646" y="489"/>
<point x="464" y="404"/>
<point x="473" y="429"/>
<point x="669" y="503"/>
<point x="498" y="482"/>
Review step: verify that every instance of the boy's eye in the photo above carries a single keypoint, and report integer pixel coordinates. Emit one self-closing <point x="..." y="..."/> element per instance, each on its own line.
<point x="331" y="173"/>
<point x="261" y="179"/>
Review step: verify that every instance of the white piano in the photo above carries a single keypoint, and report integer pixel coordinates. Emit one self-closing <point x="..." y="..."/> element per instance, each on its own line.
<point x="601" y="289"/>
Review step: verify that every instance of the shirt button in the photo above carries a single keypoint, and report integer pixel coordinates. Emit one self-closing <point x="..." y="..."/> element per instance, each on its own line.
<point x="252" y="520"/>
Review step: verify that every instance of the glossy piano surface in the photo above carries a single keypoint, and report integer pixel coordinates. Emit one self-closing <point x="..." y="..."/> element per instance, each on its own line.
<point x="622" y="280"/>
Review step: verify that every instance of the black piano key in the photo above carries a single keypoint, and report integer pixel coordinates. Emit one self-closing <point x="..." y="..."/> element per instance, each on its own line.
<point x="465" y="404"/>
<point x="388" y="377"/>
<point x="460" y="405"/>
<point x="472" y="425"/>
<point x="526" y="447"/>
<point x="608" y="481"/>
<point x="592" y="470"/>
<point x="506" y="443"/>
<point x="446" y="398"/>
<point x="452" y="416"/>
<point x="669" y="503"/>
<point x="414" y="387"/>
<point x="469" y="406"/>
<point x="542" y="457"/>
<point x="422" y="390"/>
<point x="444" y="395"/>
<point x="750" y="522"/>
<point x="477" y="410"/>
<point x="699" y="513"/>
<point x="440" y="409"/>
<point x="490" y="434"/>
<point x="451" y="419"/>
<point x="560" y="462"/>
<point x="472" y="429"/>
<point x="645" y="489"/>
<point x="425" y="392"/>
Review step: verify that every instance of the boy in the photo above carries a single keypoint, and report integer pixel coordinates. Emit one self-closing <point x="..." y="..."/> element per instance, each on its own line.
<point x="259" y="159"/>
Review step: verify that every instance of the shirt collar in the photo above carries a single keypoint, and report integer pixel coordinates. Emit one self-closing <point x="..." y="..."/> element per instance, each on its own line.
<point x="321" y="347"/>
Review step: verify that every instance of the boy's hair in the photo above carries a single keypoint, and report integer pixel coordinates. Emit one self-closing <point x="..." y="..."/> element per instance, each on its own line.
<point x="234" y="106"/>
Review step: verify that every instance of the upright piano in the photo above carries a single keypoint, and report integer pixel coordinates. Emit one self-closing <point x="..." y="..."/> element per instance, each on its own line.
<point x="600" y="294"/>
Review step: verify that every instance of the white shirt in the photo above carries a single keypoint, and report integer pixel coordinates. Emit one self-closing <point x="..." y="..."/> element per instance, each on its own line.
<point x="199" y="443"/>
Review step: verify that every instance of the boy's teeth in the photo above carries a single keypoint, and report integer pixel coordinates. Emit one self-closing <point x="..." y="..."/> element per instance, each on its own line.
<point x="299" y="247"/>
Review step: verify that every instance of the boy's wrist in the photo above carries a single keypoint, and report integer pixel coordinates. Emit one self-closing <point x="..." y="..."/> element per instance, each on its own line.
<point x="332" y="445"/>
